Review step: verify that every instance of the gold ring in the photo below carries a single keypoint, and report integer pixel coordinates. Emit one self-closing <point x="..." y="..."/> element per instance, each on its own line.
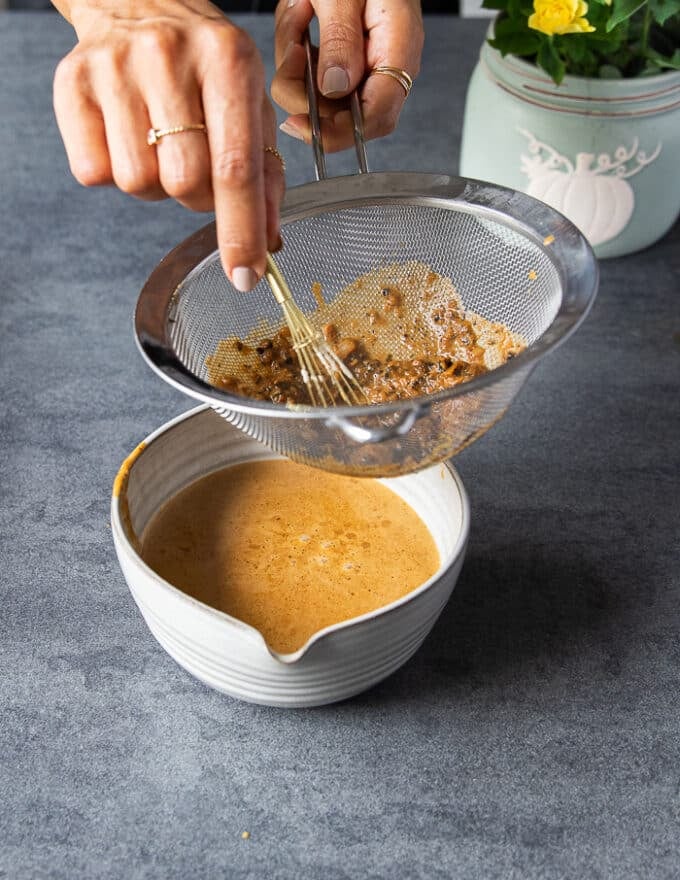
<point x="401" y="76"/>
<point x="154" y="135"/>
<point x="277" y="155"/>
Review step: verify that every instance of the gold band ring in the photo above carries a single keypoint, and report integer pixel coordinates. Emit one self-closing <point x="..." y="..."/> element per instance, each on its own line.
<point x="154" y="135"/>
<point x="276" y="155"/>
<point x="401" y="76"/>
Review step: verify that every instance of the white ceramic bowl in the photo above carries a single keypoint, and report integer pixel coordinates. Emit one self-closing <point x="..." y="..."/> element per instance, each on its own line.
<point x="227" y="654"/>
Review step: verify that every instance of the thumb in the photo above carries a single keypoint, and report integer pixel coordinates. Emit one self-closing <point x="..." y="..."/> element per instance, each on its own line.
<point x="341" y="47"/>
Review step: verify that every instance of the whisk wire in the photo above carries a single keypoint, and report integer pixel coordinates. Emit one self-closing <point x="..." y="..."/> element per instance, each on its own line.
<point x="325" y="375"/>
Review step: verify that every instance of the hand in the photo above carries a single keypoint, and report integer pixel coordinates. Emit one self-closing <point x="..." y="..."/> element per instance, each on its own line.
<point x="355" y="37"/>
<point x="161" y="63"/>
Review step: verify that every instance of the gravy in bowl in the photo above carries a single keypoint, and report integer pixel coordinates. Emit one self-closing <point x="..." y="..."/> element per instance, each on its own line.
<point x="289" y="549"/>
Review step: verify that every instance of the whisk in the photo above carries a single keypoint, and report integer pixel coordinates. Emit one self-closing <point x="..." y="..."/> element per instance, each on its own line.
<point x="325" y="375"/>
<point x="323" y="372"/>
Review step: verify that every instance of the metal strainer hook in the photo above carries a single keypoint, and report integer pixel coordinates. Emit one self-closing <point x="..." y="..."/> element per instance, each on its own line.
<point x="313" y="103"/>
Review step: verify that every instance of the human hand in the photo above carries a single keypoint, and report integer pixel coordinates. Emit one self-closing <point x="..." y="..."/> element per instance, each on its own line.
<point x="356" y="36"/>
<point x="163" y="63"/>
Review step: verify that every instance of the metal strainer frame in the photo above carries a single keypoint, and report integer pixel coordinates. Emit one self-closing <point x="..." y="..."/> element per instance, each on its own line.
<point x="332" y="438"/>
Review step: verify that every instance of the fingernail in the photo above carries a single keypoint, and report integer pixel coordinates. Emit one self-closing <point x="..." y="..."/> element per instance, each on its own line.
<point x="291" y="3"/>
<point x="287" y="128"/>
<point x="278" y="245"/>
<point x="335" y="82"/>
<point x="244" y="278"/>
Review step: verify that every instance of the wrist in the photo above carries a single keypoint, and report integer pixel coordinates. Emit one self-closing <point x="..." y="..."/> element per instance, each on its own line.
<point x="85" y="14"/>
<point x="79" y="12"/>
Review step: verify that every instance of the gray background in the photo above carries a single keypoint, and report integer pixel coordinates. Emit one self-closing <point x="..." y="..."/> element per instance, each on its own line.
<point x="535" y="734"/>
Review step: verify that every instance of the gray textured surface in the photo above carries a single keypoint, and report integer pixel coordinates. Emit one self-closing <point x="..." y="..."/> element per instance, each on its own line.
<point x="535" y="735"/>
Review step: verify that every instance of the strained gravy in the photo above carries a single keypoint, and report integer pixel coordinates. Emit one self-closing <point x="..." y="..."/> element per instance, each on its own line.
<point x="289" y="549"/>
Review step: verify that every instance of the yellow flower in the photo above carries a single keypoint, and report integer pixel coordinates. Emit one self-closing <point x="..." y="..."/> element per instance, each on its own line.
<point x="560" y="17"/>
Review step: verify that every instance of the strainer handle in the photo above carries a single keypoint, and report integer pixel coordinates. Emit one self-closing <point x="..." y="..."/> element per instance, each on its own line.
<point x="313" y="102"/>
<point x="360" y="434"/>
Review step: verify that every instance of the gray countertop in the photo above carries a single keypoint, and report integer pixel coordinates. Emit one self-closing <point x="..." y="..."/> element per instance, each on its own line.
<point x="534" y="735"/>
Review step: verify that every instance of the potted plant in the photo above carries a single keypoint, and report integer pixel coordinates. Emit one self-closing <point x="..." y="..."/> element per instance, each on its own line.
<point x="578" y="104"/>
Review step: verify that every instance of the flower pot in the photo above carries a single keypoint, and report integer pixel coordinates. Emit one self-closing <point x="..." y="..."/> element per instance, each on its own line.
<point x="603" y="152"/>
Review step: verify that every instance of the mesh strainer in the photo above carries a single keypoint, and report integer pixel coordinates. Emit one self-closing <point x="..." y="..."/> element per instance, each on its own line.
<point x="511" y="258"/>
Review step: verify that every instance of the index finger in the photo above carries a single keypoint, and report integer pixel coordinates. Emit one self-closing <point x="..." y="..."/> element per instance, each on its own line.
<point x="233" y="84"/>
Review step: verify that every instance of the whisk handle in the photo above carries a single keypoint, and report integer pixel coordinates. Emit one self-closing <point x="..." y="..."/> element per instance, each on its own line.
<point x="277" y="282"/>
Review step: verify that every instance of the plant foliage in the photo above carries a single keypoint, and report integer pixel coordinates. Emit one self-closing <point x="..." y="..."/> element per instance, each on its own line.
<point x="619" y="38"/>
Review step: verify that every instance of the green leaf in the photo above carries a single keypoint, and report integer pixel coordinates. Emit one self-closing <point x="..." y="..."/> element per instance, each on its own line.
<point x="517" y="44"/>
<point x="608" y="71"/>
<point x="550" y="61"/>
<point x="576" y="50"/>
<point x="597" y="16"/>
<point x="506" y="26"/>
<point x="662" y="10"/>
<point x="515" y="9"/>
<point x="623" y="9"/>
<point x="494" y="4"/>
<point x="512" y="37"/>
<point x="672" y="63"/>
<point x="500" y="46"/>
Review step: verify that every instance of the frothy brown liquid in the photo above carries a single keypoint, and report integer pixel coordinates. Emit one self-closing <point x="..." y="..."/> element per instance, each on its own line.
<point x="289" y="549"/>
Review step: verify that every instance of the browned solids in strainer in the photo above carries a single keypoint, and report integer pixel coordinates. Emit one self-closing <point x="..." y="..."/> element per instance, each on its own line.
<point x="401" y="329"/>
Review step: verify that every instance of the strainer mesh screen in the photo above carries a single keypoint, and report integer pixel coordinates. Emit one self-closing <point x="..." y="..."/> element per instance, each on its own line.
<point x="498" y="272"/>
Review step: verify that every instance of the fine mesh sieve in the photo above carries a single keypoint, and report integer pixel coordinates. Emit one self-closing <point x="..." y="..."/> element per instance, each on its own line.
<point x="511" y="259"/>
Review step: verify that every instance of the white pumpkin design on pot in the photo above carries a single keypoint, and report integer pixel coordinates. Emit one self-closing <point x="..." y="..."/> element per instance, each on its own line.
<point x="598" y="200"/>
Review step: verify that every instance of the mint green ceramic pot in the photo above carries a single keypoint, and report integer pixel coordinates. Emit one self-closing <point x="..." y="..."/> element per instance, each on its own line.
<point x="606" y="153"/>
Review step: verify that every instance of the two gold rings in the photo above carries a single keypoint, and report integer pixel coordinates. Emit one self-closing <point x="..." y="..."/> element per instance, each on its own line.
<point x="401" y="76"/>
